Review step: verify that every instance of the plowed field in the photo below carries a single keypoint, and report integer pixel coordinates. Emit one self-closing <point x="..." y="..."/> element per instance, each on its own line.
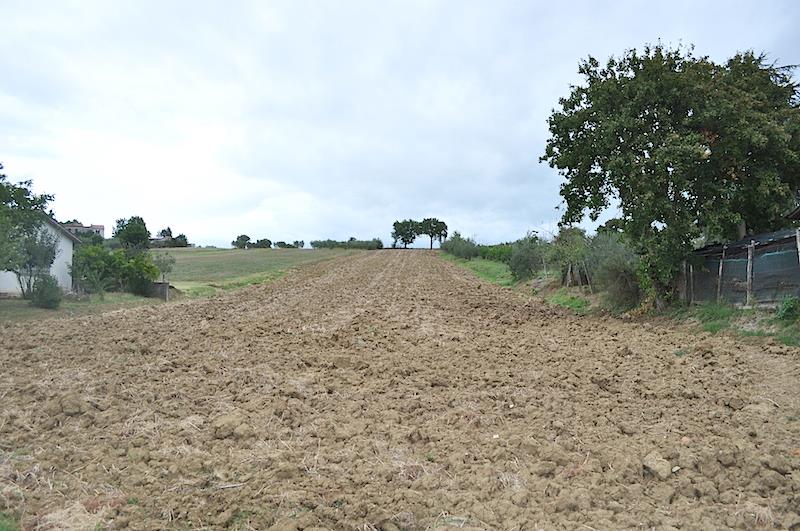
<point x="392" y="390"/>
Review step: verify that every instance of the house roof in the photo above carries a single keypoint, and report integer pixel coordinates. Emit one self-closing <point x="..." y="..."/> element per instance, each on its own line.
<point x="55" y="224"/>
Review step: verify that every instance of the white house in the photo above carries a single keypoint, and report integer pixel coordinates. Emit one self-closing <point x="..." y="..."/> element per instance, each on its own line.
<point x="65" y="243"/>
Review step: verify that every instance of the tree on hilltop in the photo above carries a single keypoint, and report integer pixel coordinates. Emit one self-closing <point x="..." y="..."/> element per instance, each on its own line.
<point x="433" y="228"/>
<point x="405" y="231"/>
<point x="241" y="242"/>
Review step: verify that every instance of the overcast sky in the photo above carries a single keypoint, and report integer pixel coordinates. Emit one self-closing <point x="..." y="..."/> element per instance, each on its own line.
<point x="324" y="119"/>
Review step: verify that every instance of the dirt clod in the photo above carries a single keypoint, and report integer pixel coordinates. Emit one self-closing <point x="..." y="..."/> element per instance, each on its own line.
<point x="657" y="465"/>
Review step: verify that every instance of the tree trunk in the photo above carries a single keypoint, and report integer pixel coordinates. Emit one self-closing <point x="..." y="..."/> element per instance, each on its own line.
<point x="742" y="229"/>
<point x="431" y="242"/>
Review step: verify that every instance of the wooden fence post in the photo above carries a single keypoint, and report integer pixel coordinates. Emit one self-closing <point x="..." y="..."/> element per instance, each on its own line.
<point x="750" y="250"/>
<point x="719" y="275"/>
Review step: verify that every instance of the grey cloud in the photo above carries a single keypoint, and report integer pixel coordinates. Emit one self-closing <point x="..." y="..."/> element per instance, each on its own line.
<point x="314" y="119"/>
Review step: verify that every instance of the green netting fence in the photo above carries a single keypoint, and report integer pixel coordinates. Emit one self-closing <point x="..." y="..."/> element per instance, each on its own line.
<point x="762" y="269"/>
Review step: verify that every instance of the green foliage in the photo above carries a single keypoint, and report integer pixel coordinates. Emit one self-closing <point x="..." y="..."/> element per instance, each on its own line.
<point x="789" y="310"/>
<point x="96" y="269"/>
<point x="684" y="146"/>
<point x="613" y="268"/>
<point x="433" y="228"/>
<point x="263" y="243"/>
<point x="500" y="252"/>
<point x="164" y="262"/>
<point x="37" y="249"/>
<point x="180" y="241"/>
<point x="284" y="245"/>
<point x="527" y="257"/>
<point x="112" y="244"/>
<point x="8" y="522"/>
<point x="132" y="234"/>
<point x="298" y="244"/>
<point x="405" y="232"/>
<point x="461" y="247"/>
<point x="21" y="213"/>
<point x="46" y="292"/>
<point x="352" y="243"/>
<point x="241" y="242"/>
<point x="90" y="238"/>
<point x="138" y="273"/>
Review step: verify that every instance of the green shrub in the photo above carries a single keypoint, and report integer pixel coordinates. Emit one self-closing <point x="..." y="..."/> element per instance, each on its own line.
<point x="527" y="257"/>
<point x="139" y="272"/>
<point x="789" y="310"/>
<point x="613" y="268"/>
<point x="461" y="247"/>
<point x="96" y="269"/>
<point x="46" y="292"/>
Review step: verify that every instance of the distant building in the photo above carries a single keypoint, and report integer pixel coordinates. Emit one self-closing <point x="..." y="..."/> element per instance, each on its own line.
<point x="79" y="228"/>
<point x="65" y="243"/>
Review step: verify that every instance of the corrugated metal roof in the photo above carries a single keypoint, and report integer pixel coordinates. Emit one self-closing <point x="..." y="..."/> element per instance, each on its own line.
<point x="740" y="245"/>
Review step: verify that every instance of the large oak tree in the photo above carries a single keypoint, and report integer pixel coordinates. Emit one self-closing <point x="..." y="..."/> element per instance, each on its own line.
<point x="682" y="146"/>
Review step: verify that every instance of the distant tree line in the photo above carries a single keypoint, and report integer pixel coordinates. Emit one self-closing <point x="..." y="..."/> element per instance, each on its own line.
<point x="352" y="243"/>
<point x="408" y="230"/>
<point x="243" y="241"/>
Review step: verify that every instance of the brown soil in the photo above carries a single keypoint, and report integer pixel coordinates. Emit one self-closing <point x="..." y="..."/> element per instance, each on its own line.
<point x="392" y="390"/>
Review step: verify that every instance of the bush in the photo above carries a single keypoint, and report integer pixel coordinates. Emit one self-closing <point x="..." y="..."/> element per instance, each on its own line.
<point x="789" y="310"/>
<point x="46" y="292"/>
<point x="527" y="257"/>
<point x="164" y="262"/>
<point x="460" y="247"/>
<point x="614" y="270"/>
<point x="96" y="269"/>
<point x="139" y="272"/>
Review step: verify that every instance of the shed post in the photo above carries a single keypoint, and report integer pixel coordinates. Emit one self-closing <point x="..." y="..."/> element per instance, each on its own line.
<point x="691" y="284"/>
<point x="797" y="242"/>
<point x="750" y="250"/>
<point x="719" y="275"/>
<point x="685" y="291"/>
